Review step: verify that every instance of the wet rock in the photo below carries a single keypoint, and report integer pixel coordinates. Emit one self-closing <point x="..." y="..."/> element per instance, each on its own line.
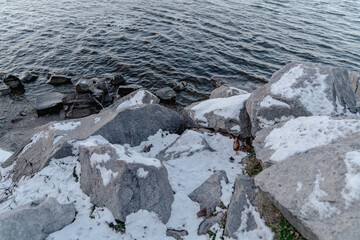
<point x="4" y="90"/>
<point x="242" y="203"/>
<point x="126" y="89"/>
<point x="178" y="87"/>
<point x="208" y="194"/>
<point x="85" y="86"/>
<point x="49" y="103"/>
<point x="166" y="94"/>
<point x="35" y="220"/>
<point x="117" y="80"/>
<point x="317" y="191"/>
<point x="27" y="77"/>
<point x="302" y="89"/>
<point x="126" y="126"/>
<point x="239" y="82"/>
<point x="275" y="144"/>
<point x="14" y="84"/>
<point x="177" y="234"/>
<point x="80" y="105"/>
<point x="206" y="225"/>
<point x="224" y="92"/>
<point x="143" y="182"/>
<point x="221" y="114"/>
<point x="58" y="80"/>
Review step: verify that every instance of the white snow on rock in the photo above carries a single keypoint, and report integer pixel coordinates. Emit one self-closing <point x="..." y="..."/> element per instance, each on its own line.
<point x="65" y="126"/>
<point x="57" y="138"/>
<point x="264" y="123"/>
<point x="303" y="133"/>
<point x="261" y="232"/>
<point x="99" y="158"/>
<point x="228" y="108"/>
<point x="4" y="155"/>
<point x="34" y="139"/>
<point x="283" y="86"/>
<point x="226" y="192"/>
<point x="299" y="186"/>
<point x="106" y="174"/>
<point x="351" y="191"/>
<point x="137" y="99"/>
<point x="269" y="101"/>
<point x="315" y="201"/>
<point x="142" y="173"/>
<point x="96" y="120"/>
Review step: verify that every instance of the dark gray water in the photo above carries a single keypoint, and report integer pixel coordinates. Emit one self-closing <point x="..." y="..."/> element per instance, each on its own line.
<point x="153" y="42"/>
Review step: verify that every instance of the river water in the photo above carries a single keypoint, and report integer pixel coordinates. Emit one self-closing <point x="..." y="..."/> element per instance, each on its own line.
<point x="154" y="42"/>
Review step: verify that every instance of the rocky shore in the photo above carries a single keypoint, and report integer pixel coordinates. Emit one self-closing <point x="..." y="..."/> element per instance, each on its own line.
<point x="92" y="165"/>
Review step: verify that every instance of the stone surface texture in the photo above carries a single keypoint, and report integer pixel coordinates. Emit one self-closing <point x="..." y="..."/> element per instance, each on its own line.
<point x="48" y="103"/>
<point x="225" y="91"/>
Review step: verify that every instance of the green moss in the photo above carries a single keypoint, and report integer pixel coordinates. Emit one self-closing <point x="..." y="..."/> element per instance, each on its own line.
<point x="119" y="226"/>
<point x="211" y="234"/>
<point x="253" y="166"/>
<point x="286" y="231"/>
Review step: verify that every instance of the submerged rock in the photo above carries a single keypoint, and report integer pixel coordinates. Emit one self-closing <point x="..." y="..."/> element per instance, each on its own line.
<point x="49" y="103"/>
<point x="302" y="89"/>
<point x="124" y="181"/>
<point x="221" y="114"/>
<point x="35" y="220"/>
<point x="27" y="77"/>
<point x="318" y="190"/>
<point x="58" y="80"/>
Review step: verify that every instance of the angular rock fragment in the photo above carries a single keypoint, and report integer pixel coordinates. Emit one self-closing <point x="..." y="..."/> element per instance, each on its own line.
<point x="80" y="105"/>
<point x="35" y="220"/>
<point x="14" y="84"/>
<point x="126" y="89"/>
<point x="124" y="181"/>
<point x="58" y="80"/>
<point x="48" y="103"/>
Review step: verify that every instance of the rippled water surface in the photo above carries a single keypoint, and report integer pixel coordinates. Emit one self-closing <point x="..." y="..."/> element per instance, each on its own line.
<point x="153" y="42"/>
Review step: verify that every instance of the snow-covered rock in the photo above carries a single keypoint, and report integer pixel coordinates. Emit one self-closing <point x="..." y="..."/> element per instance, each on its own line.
<point x="222" y="114"/>
<point x="130" y="125"/>
<point x="303" y="89"/>
<point x="35" y="220"/>
<point x="225" y="91"/>
<point x="286" y="139"/>
<point x="318" y="191"/>
<point x="138" y="97"/>
<point x="124" y="181"/>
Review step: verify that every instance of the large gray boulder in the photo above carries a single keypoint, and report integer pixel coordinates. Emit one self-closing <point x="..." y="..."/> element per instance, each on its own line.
<point x="123" y="180"/>
<point x="221" y="114"/>
<point x="303" y="89"/>
<point x="283" y="140"/>
<point x="35" y="220"/>
<point x="318" y="191"/>
<point x="241" y="204"/>
<point x="130" y="125"/>
<point x="208" y="194"/>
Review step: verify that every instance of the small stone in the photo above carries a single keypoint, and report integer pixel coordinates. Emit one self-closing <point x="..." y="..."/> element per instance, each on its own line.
<point x="27" y="77"/>
<point x="125" y="90"/>
<point x="14" y="84"/>
<point x="117" y="80"/>
<point x="177" y="234"/>
<point x="166" y="94"/>
<point x="85" y="86"/>
<point x="179" y="86"/>
<point x="58" y="80"/>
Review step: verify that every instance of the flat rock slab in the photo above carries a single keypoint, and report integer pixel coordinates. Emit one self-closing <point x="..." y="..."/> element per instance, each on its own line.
<point x="35" y="220"/>
<point x="225" y="91"/>
<point x="48" y="103"/>
<point x="283" y="140"/>
<point x="126" y="89"/>
<point x="58" y="80"/>
<point x="221" y="114"/>
<point x="303" y="89"/>
<point x="123" y="180"/>
<point x="318" y="191"/>
<point x="130" y="125"/>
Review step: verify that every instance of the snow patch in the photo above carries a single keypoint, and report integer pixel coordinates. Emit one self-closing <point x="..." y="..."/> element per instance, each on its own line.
<point x="34" y="139"/>
<point x="299" y="186"/>
<point x="314" y="201"/>
<point x="283" y="87"/>
<point x="297" y="135"/>
<point x="268" y="102"/>
<point x="106" y="174"/>
<point x="264" y="123"/>
<point x="226" y="192"/>
<point x="4" y="155"/>
<point x="56" y="139"/>
<point x="65" y="126"/>
<point x="99" y="158"/>
<point x="97" y="119"/>
<point x="142" y="173"/>
<point x="137" y="99"/>
<point x="351" y="191"/>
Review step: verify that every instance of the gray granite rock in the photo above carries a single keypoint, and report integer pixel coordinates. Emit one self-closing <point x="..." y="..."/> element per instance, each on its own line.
<point x="138" y="97"/>
<point x="126" y="89"/>
<point x="302" y="89"/>
<point x="130" y="125"/>
<point x="35" y="220"/>
<point x="221" y="114"/>
<point x="58" y="80"/>
<point x="27" y="77"/>
<point x="166" y="94"/>
<point x="207" y="224"/>
<point x="276" y="143"/>
<point x="243" y="196"/>
<point x="124" y="181"/>
<point x="318" y="190"/>
<point x="224" y="92"/>
<point x="208" y="194"/>
<point x="80" y="105"/>
<point x="48" y="103"/>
